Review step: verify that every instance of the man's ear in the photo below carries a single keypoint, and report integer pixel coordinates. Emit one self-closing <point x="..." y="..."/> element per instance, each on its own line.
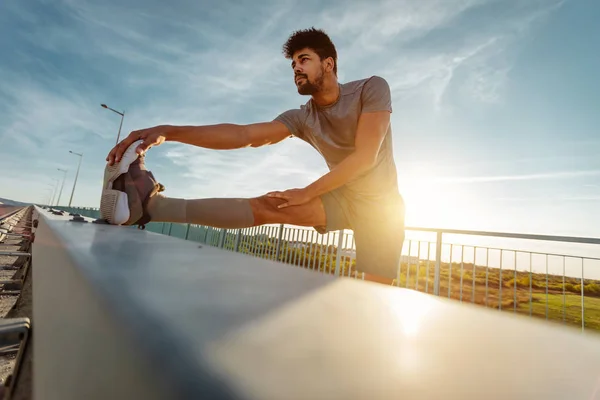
<point x="329" y="64"/>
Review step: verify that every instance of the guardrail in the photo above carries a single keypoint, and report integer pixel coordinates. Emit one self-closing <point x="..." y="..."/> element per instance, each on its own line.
<point x="128" y="314"/>
<point x="15" y="262"/>
<point x="542" y="284"/>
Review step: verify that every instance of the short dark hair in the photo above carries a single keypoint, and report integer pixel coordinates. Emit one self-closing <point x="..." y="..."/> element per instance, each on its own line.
<point x="316" y="40"/>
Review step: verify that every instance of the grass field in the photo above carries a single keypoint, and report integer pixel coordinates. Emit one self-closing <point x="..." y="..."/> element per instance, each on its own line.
<point x="561" y="302"/>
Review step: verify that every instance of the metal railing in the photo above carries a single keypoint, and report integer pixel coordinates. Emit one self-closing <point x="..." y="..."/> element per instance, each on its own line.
<point x="120" y="307"/>
<point x="547" y="284"/>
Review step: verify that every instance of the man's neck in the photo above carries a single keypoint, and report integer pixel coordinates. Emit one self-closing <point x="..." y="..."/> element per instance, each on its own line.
<point x="327" y="96"/>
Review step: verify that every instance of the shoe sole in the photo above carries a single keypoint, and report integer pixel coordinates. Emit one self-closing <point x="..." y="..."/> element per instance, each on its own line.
<point x="114" y="206"/>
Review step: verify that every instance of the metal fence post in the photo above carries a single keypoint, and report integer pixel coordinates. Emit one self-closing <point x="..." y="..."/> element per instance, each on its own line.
<point x="170" y="227"/>
<point x="279" y="239"/>
<point x="339" y="252"/>
<point x="438" y="263"/>
<point x="187" y="231"/>
<point x="222" y="236"/>
<point x="238" y="238"/>
<point x="399" y="269"/>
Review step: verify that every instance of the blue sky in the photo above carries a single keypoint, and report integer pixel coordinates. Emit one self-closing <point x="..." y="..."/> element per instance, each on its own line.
<point x="495" y="117"/>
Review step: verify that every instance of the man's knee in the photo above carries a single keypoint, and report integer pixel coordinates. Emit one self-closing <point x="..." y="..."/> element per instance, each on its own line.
<point x="265" y="210"/>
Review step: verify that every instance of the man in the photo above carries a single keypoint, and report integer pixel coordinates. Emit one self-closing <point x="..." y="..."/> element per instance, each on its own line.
<point x="349" y="124"/>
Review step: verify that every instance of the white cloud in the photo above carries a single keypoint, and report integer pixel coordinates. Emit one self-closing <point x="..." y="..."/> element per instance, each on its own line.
<point x="403" y="20"/>
<point x="549" y="200"/>
<point x="583" y="198"/>
<point x="40" y="119"/>
<point x="522" y="177"/>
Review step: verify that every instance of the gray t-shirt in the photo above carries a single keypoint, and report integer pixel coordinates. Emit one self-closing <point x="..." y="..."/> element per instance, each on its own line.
<point x="331" y="131"/>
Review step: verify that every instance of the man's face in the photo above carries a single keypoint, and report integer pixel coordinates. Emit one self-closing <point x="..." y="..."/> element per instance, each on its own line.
<point x="309" y="72"/>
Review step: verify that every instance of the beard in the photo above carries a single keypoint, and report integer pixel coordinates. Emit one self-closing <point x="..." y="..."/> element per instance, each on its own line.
<point x="311" y="87"/>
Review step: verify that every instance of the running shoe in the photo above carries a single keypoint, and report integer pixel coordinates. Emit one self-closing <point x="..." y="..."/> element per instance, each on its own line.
<point x="128" y="186"/>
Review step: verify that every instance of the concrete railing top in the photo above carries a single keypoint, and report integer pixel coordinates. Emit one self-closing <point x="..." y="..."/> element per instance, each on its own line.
<point x="159" y="317"/>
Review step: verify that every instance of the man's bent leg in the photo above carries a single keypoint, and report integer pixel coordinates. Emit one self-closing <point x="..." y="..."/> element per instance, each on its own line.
<point x="379" y="238"/>
<point x="233" y="213"/>
<point x="378" y="256"/>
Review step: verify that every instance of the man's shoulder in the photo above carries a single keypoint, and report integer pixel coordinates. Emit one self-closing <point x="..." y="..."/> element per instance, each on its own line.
<point x="358" y="84"/>
<point x="300" y="110"/>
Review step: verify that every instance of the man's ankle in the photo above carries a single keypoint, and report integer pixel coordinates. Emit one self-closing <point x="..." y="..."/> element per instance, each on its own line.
<point x="165" y="209"/>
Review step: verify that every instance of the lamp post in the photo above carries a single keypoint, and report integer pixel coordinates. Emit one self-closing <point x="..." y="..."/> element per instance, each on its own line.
<point x="54" y="191"/>
<point x="49" y="192"/>
<point x="122" y="114"/>
<point x="62" y="185"/>
<point x="76" y="175"/>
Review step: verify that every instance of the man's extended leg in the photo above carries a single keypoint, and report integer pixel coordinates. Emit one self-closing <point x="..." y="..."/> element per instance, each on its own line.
<point x="219" y="213"/>
<point x="233" y="213"/>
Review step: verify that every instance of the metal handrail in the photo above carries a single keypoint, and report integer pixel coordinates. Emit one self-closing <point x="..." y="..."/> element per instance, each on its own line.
<point x="552" y="238"/>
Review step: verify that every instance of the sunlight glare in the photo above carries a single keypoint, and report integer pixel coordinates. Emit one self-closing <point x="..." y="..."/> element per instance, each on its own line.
<point x="410" y="309"/>
<point x="429" y="204"/>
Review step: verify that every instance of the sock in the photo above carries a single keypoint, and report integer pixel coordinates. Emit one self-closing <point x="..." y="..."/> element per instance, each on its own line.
<point x="218" y="213"/>
<point x="165" y="209"/>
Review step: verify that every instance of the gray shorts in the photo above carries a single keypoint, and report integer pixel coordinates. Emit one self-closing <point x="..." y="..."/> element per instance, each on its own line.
<point x="378" y="227"/>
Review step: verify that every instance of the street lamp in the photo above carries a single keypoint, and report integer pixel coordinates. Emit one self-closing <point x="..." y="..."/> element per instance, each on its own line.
<point x="122" y="114"/>
<point x="48" y="191"/>
<point x="51" y="194"/>
<point x="76" y="175"/>
<point x="54" y="191"/>
<point x="62" y="185"/>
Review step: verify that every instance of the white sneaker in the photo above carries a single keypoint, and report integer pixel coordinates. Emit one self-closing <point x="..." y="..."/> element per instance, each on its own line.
<point x="128" y="186"/>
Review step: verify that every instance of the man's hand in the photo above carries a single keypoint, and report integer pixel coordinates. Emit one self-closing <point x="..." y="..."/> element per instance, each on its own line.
<point x="294" y="197"/>
<point x="151" y="137"/>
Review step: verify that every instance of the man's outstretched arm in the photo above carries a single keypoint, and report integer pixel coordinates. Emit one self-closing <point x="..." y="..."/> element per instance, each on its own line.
<point x="229" y="136"/>
<point x="218" y="137"/>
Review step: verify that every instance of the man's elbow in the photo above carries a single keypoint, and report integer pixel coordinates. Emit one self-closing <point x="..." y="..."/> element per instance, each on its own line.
<point x="371" y="163"/>
<point x="263" y="134"/>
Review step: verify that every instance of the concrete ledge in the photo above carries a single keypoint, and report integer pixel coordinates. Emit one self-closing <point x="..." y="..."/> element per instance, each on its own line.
<point x="121" y="313"/>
